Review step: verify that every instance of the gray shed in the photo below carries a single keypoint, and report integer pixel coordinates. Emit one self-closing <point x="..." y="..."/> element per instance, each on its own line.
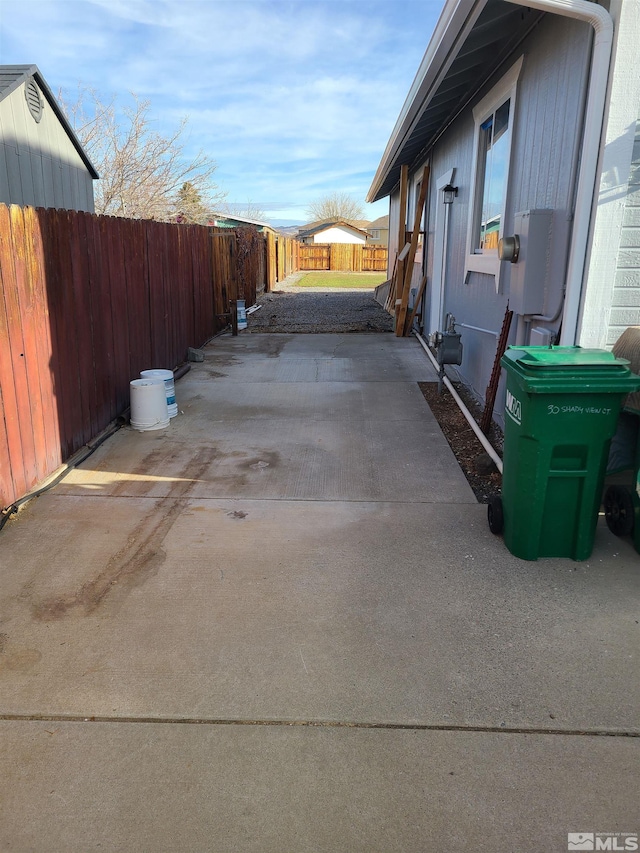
<point x="42" y="162"/>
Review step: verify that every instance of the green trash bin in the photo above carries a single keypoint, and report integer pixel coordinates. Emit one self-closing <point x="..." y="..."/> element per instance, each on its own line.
<point x="561" y="411"/>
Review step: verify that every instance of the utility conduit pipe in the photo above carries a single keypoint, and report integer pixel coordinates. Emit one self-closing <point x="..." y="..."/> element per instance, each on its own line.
<point x="601" y="21"/>
<point x="472" y="422"/>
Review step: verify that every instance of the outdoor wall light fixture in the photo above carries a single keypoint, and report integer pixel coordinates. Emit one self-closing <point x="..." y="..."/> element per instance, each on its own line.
<point x="449" y="193"/>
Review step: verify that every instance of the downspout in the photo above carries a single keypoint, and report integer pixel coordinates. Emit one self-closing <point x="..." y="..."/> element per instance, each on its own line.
<point x="445" y="246"/>
<point x="602" y="24"/>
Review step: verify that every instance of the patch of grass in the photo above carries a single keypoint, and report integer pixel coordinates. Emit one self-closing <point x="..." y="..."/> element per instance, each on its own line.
<point x="361" y="280"/>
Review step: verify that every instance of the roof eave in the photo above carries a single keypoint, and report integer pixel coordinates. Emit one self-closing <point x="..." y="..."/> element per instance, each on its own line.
<point x="55" y="106"/>
<point x="438" y="56"/>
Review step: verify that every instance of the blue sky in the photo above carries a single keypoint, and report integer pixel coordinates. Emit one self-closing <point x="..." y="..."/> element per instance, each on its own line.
<point x="294" y="99"/>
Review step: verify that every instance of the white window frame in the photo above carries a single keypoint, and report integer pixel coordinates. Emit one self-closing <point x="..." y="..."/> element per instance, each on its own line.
<point x="487" y="261"/>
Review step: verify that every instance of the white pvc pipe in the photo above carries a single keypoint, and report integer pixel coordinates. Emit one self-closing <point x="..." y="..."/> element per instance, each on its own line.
<point x="602" y="23"/>
<point x="471" y="420"/>
<point x="478" y="329"/>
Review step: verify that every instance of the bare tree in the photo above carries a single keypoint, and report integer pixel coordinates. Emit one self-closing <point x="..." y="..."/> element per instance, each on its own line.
<point x="141" y="171"/>
<point x="253" y="211"/>
<point x="250" y="211"/>
<point x="336" y="205"/>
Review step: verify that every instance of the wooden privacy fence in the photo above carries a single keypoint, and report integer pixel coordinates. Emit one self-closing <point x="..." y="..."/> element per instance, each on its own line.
<point x="287" y="256"/>
<point x="86" y="302"/>
<point x="346" y="257"/>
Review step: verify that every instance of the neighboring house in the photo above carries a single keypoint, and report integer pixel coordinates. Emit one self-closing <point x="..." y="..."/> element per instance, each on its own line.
<point x="378" y="231"/>
<point x="528" y="110"/>
<point x="222" y="220"/>
<point x="42" y="163"/>
<point x="332" y="232"/>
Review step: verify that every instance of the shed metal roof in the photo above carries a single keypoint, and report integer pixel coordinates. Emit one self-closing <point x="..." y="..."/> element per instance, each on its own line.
<point x="231" y="218"/>
<point x="13" y="76"/>
<point x="471" y="41"/>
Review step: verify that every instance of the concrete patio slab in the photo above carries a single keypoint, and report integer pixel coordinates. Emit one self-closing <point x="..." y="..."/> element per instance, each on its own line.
<point x="302" y="610"/>
<point x="370" y="357"/>
<point x="316" y="440"/>
<point x="308" y="460"/>
<point x="95" y="786"/>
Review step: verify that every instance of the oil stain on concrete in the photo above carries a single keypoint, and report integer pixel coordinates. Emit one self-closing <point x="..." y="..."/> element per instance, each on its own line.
<point x="138" y="560"/>
<point x="15" y="658"/>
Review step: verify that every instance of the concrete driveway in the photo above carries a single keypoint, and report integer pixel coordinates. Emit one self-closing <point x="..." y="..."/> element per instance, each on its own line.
<point x="282" y="624"/>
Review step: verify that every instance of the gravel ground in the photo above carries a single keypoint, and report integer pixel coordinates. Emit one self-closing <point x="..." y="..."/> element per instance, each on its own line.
<point x="292" y="309"/>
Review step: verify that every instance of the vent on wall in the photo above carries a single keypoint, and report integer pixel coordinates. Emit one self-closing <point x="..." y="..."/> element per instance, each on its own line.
<point x="34" y="101"/>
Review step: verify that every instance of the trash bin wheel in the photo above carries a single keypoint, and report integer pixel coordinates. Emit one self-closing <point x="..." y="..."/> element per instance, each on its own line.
<point x="618" y="510"/>
<point x="495" y="515"/>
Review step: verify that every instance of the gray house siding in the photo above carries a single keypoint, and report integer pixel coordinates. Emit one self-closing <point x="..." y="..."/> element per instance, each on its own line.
<point x="39" y="164"/>
<point x="626" y="291"/>
<point x="546" y="135"/>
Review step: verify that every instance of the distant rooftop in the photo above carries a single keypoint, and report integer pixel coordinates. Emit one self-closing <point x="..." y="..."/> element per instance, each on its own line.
<point x="322" y="224"/>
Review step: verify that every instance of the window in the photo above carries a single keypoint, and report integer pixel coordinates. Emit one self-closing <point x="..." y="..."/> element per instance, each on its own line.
<point x="493" y="118"/>
<point x="493" y="162"/>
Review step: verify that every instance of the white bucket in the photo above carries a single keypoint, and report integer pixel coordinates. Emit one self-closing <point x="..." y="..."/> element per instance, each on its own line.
<point x="169" y="384"/>
<point x="242" y="314"/>
<point x="148" y="404"/>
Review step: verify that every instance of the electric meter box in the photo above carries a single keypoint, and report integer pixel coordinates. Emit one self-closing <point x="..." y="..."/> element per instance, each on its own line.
<point x="449" y="348"/>
<point x="529" y="273"/>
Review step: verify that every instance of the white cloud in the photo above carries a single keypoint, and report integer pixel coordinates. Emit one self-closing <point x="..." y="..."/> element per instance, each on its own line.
<point x="293" y="98"/>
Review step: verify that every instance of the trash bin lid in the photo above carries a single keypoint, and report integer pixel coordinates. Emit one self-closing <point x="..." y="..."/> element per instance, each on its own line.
<point x="563" y="358"/>
<point x="569" y="369"/>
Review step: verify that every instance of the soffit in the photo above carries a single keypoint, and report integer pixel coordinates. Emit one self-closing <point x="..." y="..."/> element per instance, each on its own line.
<point x="472" y="61"/>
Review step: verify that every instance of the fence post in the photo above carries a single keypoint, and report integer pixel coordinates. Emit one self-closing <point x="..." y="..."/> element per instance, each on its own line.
<point x="271" y="261"/>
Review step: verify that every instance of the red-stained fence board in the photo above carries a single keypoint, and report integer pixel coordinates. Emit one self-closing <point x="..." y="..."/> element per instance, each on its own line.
<point x="203" y="291"/>
<point x="84" y="342"/>
<point x="172" y="287"/>
<point x="44" y="345"/>
<point x="101" y="323"/>
<point x="119" y="312"/>
<point x="19" y="339"/>
<point x="12" y="475"/>
<point x="137" y="298"/>
<point x="209" y="327"/>
<point x="31" y="312"/>
<point x="186" y="293"/>
<point x="67" y="320"/>
<point x="86" y="296"/>
<point x="147" y="357"/>
<point x="156" y="255"/>
<point x="49" y="233"/>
